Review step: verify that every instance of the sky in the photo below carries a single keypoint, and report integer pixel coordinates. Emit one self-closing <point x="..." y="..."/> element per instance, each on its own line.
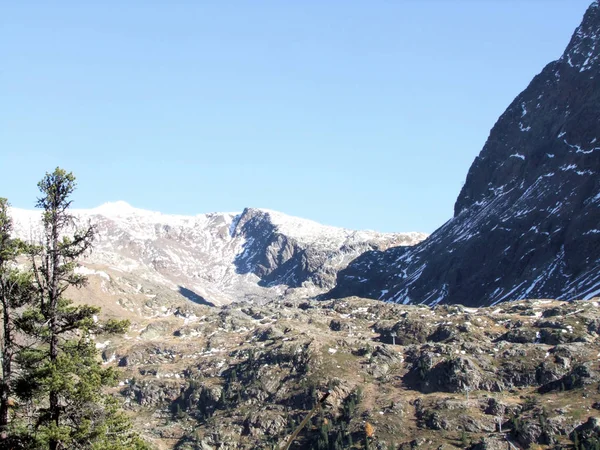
<point x="359" y="114"/>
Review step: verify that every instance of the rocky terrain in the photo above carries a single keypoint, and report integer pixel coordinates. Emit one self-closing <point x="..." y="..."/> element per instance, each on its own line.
<point x="242" y="376"/>
<point x="220" y="257"/>
<point x="525" y="224"/>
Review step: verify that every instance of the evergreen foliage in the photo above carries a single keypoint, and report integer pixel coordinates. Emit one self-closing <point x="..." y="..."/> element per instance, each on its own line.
<point x="60" y="378"/>
<point x="334" y="432"/>
<point x="16" y="290"/>
<point x="581" y="441"/>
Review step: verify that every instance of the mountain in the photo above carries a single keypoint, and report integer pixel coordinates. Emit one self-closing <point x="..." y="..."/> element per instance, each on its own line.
<point x="220" y="257"/>
<point x="527" y="221"/>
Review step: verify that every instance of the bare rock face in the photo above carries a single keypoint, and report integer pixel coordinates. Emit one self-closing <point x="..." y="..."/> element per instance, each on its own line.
<point x="490" y="443"/>
<point x="525" y="224"/>
<point x="295" y="253"/>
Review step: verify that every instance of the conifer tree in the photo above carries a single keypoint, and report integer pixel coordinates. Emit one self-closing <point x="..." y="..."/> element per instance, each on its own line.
<point x="16" y="289"/>
<point x="61" y="375"/>
<point x="6" y="255"/>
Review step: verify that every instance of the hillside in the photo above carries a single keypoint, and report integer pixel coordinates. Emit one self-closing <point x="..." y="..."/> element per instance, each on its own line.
<point x="243" y="376"/>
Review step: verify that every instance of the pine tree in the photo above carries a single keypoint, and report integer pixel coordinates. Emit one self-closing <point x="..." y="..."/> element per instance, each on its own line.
<point x="464" y="440"/>
<point x="62" y="375"/>
<point x="16" y="290"/>
<point x="323" y="439"/>
<point x="6" y="256"/>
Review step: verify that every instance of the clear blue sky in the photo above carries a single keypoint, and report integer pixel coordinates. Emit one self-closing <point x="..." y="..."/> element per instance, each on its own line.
<point x="362" y="114"/>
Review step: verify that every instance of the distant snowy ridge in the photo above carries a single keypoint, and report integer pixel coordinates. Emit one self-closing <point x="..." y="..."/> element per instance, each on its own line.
<point x="220" y="257"/>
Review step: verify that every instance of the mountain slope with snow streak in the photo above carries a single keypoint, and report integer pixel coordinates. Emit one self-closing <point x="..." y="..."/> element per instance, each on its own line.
<point x="527" y="221"/>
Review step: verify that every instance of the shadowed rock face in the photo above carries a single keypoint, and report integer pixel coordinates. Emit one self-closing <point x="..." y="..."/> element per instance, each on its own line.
<point x="527" y="221"/>
<point x="295" y="254"/>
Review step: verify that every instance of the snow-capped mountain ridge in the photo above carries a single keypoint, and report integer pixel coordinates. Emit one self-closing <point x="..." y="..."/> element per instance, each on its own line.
<point x="220" y="257"/>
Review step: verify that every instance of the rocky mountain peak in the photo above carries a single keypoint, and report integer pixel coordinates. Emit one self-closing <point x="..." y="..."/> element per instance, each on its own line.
<point x="251" y="220"/>
<point x="550" y="113"/>
<point x="583" y="51"/>
<point x="525" y="223"/>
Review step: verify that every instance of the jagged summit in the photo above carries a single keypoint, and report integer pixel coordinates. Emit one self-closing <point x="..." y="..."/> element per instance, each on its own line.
<point x="305" y="230"/>
<point x="308" y="230"/>
<point x="583" y="50"/>
<point x="545" y="124"/>
<point x="526" y="221"/>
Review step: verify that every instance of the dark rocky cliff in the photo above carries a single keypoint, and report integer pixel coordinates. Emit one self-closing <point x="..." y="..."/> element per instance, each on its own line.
<point x="299" y="257"/>
<point x="527" y="221"/>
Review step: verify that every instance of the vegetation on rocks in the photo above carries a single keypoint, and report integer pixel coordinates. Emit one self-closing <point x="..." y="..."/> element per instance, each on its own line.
<point x="245" y="376"/>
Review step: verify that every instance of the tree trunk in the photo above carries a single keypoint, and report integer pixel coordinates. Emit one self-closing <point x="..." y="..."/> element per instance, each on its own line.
<point x="6" y="364"/>
<point x="6" y="342"/>
<point x="53" y="284"/>
<point x="54" y="400"/>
